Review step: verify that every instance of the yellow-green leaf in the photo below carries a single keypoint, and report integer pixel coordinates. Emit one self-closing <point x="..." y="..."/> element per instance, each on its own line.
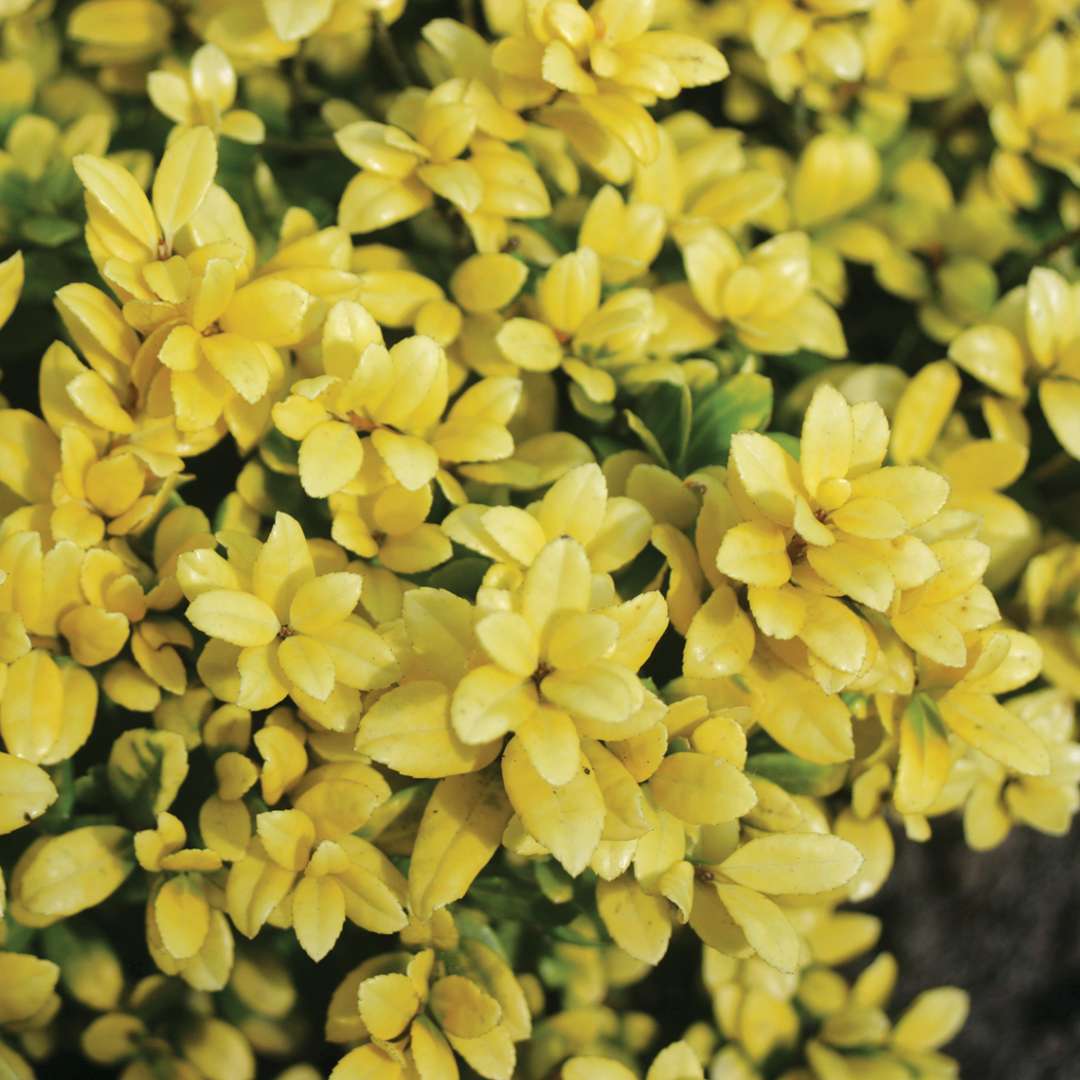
<point x="145" y="771"/>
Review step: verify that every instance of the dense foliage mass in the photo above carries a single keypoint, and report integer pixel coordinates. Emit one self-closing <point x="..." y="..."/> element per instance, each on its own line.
<point x="494" y="496"/>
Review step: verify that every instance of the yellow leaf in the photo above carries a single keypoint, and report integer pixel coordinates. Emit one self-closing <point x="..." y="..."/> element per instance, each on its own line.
<point x="701" y="790"/>
<point x="412" y="461"/>
<point x="371" y="202"/>
<point x="993" y="355"/>
<point x="558" y="580"/>
<point x="184" y="176"/>
<point x="836" y="173"/>
<point x="461" y="829"/>
<point x="827" y="438"/>
<point x="182" y="915"/>
<point x="282" y="566"/>
<point x="11" y="283"/>
<point x="293" y="20"/>
<point x="374" y="888"/>
<point x="119" y="194"/>
<point x="932" y="1019"/>
<point x="793" y="863"/>
<point x="331" y="455"/>
<point x="236" y="617"/>
<point x="676" y="1061"/>
<point x="488" y="703"/>
<point x="922" y="411"/>
<point x="510" y="641"/>
<point x="570" y="290"/>
<point x="755" y="552"/>
<point x="217" y="1050"/>
<point x="488" y="968"/>
<point x="308" y="665"/>
<point x="604" y="699"/>
<point x="487" y="282"/>
<point x="409" y="730"/>
<point x="93" y="634"/>
<point x="925" y="757"/>
<point x="720" y="638"/>
<point x="638" y="922"/>
<point x="529" y="344"/>
<point x="567" y="820"/>
<point x="462" y="1008"/>
<point x="26" y="792"/>
<point x="58" y="876"/>
<point x="491" y="1055"/>
<point x="318" y="914"/>
<point x="29" y="455"/>
<point x="595" y="1068"/>
<point x="368" y="1062"/>
<point x="287" y="837"/>
<point x="1060" y="400"/>
<point x="26" y="983"/>
<point x="225" y="825"/>
<point x="284" y="761"/>
<point x="982" y="721"/>
<point x="387" y="1004"/>
<point x="431" y="1052"/>
<point x="873" y="837"/>
<point x="766" y="927"/>
<point x="767" y="474"/>
<point x="339" y="797"/>
<point x="800" y="716"/>
<point x="270" y="310"/>
<point x="553" y="744"/>
<point x="626" y="814"/>
<point x="112" y="1038"/>
<point x="255" y="886"/>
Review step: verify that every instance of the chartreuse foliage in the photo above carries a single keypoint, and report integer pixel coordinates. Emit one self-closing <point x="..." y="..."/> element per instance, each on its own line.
<point x="510" y="503"/>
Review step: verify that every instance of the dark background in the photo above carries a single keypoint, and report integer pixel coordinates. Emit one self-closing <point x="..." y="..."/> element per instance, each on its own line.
<point x="1004" y="926"/>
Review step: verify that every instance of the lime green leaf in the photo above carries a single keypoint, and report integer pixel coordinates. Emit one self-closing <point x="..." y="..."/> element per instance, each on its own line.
<point x="796" y="776"/>
<point x="742" y="403"/>
<point x="665" y="411"/>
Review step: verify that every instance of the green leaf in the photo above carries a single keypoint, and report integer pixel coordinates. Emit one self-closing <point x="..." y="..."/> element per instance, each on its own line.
<point x="89" y="968"/>
<point x="145" y="771"/>
<point x="742" y="403"/>
<point x="665" y="411"/>
<point x="922" y="713"/>
<point x="555" y="883"/>
<point x="804" y="362"/>
<point x="461" y="576"/>
<point x="49" y="231"/>
<point x="639" y="574"/>
<point x="56" y="817"/>
<point x="789" y="442"/>
<point x="648" y="439"/>
<point x="796" y="776"/>
<point x="284" y="451"/>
